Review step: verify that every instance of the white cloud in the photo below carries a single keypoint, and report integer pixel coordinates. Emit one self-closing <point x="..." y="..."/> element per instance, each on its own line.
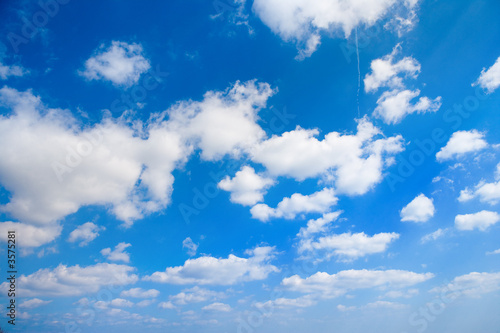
<point x="195" y="295"/>
<point x="493" y="252"/>
<point x="283" y="303"/>
<point x="318" y="225"/>
<point x="490" y="78"/>
<point x="473" y="284"/>
<point x="394" y="105"/>
<point x="289" y="208"/>
<point x="61" y="281"/>
<point x="190" y="246"/>
<point x="302" y="21"/>
<point x="349" y="246"/>
<point x="209" y="270"/>
<point x="121" y="303"/>
<point x="10" y="70"/>
<point x="385" y="71"/>
<point x="85" y="233"/>
<point x="31" y="236"/>
<point x="120" y="63"/>
<point x="400" y="294"/>
<point x="140" y="293"/>
<point x="487" y="192"/>
<point x="481" y="220"/>
<point x="218" y="307"/>
<point x="338" y="284"/>
<point x="434" y="235"/>
<point x="224" y="122"/>
<point x="374" y="305"/>
<point x="355" y="162"/>
<point x="33" y="303"/>
<point x="146" y="302"/>
<point x="420" y="209"/>
<point x="166" y="305"/>
<point x="246" y="187"/>
<point x="118" y="254"/>
<point x="461" y="143"/>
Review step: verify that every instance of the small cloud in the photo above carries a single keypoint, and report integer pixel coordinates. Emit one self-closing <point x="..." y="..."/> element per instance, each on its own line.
<point x="85" y="233"/>
<point x="190" y="246"/>
<point x="420" y="209"/>
<point x="118" y="254"/>
<point x="33" y="303"/>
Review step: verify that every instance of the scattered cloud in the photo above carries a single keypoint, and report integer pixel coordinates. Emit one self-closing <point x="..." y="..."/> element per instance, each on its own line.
<point x="195" y="295"/>
<point x="481" y="220"/>
<point x="121" y="63"/>
<point x="374" y="305"/>
<point x="473" y="284"/>
<point x="493" y="252"/>
<point x="190" y="246"/>
<point x="334" y="285"/>
<point x="214" y="271"/>
<point x="486" y="192"/>
<point x="11" y="70"/>
<point x="121" y="303"/>
<point x="33" y="303"/>
<point x="140" y="293"/>
<point x="490" y="78"/>
<point x="29" y="235"/>
<point x="217" y="307"/>
<point x="246" y="187"/>
<point x="166" y="305"/>
<point x="61" y="281"/>
<point x="284" y="303"/>
<point x="434" y="235"/>
<point x="420" y="209"/>
<point x="289" y="208"/>
<point x="461" y="143"/>
<point x="118" y="254"/>
<point x="85" y="233"/>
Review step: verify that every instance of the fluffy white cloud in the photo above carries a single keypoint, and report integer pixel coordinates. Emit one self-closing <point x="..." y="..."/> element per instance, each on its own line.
<point x="302" y="21"/>
<point x="283" y="303"/>
<point x="218" y="307"/>
<point x="473" y="284"/>
<point x="289" y="208"/>
<point x="493" y="252"/>
<point x="33" y="303"/>
<point x="316" y="226"/>
<point x="85" y="233"/>
<point x="420" y="209"/>
<point x="486" y="192"/>
<point x="118" y="254"/>
<point x="490" y="78"/>
<point x="120" y="63"/>
<point x="394" y="105"/>
<point x="349" y="246"/>
<point x="338" y="284"/>
<point x="217" y="271"/>
<point x="195" y="295"/>
<point x="190" y="246"/>
<point x="434" y="235"/>
<point x="121" y="303"/>
<point x="166" y="305"/>
<point x="386" y="71"/>
<point x="461" y="143"/>
<point x="30" y="236"/>
<point x="140" y="293"/>
<point x="61" y="281"/>
<point x="224" y="122"/>
<point x="481" y="220"/>
<point x="10" y="70"/>
<point x="355" y="162"/>
<point x="246" y="187"/>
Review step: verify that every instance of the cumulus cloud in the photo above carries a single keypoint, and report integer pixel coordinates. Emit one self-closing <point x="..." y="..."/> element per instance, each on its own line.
<point x="121" y="303"/>
<point x="473" y="284"/>
<point x="490" y="78"/>
<point x="355" y="162"/>
<point x="33" y="303"/>
<point x="10" y="70"/>
<point x="304" y="21"/>
<point x="420" y="209"/>
<point x="217" y="307"/>
<point x="190" y="246"/>
<point x="461" y="143"/>
<point x="118" y="254"/>
<point x="61" y="281"/>
<point x="246" y="187"/>
<point x="85" y="233"/>
<point x="394" y="105"/>
<point x="348" y="246"/>
<point x="334" y="285"/>
<point x="29" y="235"/>
<point x="140" y="293"/>
<point x="208" y="270"/>
<point x="385" y="71"/>
<point x="486" y="192"/>
<point x="121" y="63"/>
<point x="195" y="295"/>
<point x="166" y="305"/>
<point x="289" y="208"/>
<point x="481" y="220"/>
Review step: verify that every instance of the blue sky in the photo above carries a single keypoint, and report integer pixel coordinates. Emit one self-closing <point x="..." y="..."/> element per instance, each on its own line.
<point x="251" y="166"/>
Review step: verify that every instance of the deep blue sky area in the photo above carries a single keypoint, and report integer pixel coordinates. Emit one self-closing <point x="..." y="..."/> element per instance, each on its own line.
<point x="250" y="165"/>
